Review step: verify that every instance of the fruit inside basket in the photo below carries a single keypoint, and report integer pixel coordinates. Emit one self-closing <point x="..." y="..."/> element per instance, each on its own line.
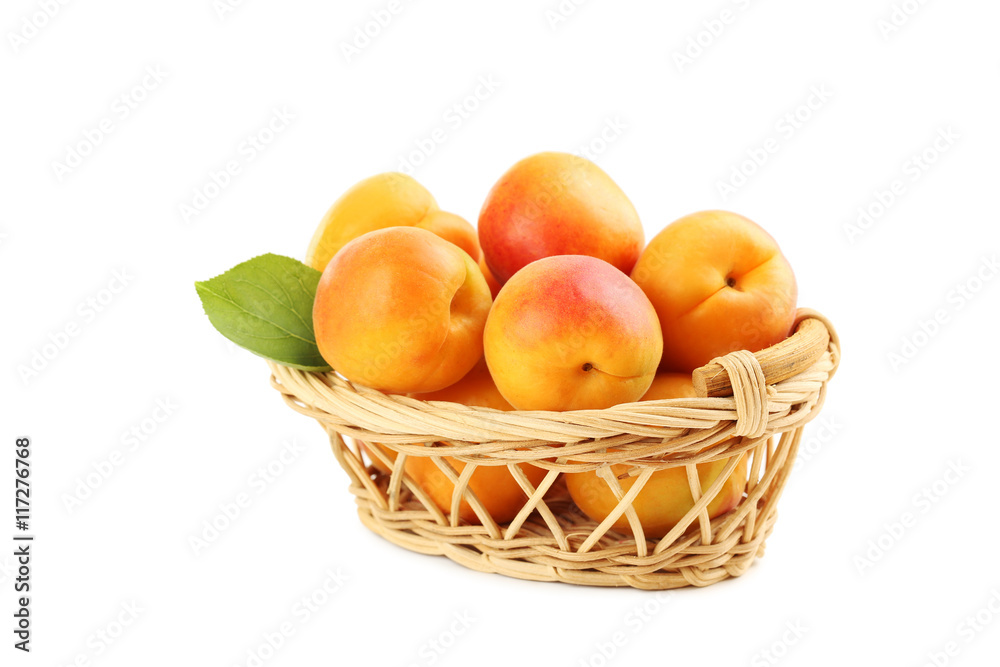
<point x="546" y="396"/>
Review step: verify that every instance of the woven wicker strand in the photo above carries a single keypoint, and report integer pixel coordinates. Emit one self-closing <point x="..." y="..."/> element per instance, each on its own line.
<point x="753" y="404"/>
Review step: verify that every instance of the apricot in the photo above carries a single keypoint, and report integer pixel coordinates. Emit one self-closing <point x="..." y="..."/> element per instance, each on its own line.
<point x="475" y="388"/>
<point x="377" y="462"/>
<point x="401" y="310"/>
<point x="666" y="497"/>
<point x="452" y="228"/>
<point x="571" y="332"/>
<point x="384" y="200"/>
<point x="719" y="283"/>
<point x="490" y="280"/>
<point x="557" y="204"/>
<point x="495" y="487"/>
<point x="381" y="201"/>
<point x="670" y="385"/>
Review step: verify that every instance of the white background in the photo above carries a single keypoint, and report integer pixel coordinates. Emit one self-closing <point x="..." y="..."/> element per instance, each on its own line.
<point x="841" y="568"/>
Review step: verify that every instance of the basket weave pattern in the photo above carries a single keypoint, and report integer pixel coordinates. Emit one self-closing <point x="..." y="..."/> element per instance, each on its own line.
<point x="550" y="539"/>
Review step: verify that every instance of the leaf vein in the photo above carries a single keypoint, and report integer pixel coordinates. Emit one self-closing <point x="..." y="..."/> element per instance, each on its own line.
<point x="256" y="316"/>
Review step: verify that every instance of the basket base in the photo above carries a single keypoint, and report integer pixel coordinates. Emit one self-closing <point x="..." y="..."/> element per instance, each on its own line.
<point x="555" y="541"/>
<point x="535" y="555"/>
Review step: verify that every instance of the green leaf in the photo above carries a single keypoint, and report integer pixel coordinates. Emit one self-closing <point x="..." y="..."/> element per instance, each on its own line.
<point x="265" y="305"/>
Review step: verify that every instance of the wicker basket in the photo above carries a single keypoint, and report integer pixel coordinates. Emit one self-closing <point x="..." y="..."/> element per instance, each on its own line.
<point x="753" y="403"/>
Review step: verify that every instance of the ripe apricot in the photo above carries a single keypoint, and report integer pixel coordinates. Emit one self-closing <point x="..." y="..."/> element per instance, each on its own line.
<point x="381" y="201"/>
<point x="384" y="200"/>
<point x="401" y="310"/>
<point x="452" y="228"/>
<point x="490" y="280"/>
<point x="499" y="492"/>
<point x="557" y="204"/>
<point x="571" y="332"/>
<point x="666" y="497"/>
<point x="719" y="283"/>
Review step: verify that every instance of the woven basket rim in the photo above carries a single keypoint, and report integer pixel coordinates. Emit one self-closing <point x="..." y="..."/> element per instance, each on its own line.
<point x="478" y="433"/>
<point x="335" y="378"/>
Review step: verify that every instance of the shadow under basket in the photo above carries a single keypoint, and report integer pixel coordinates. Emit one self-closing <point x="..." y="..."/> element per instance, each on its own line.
<point x="752" y="411"/>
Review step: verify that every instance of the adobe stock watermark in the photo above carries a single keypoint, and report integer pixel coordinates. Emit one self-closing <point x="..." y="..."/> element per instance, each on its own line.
<point x="432" y="650"/>
<point x="366" y="33"/>
<point x="228" y="346"/>
<point x="107" y="635"/>
<point x="563" y="11"/>
<point x="7" y="570"/>
<point x="899" y="15"/>
<point x="633" y="623"/>
<point x="922" y="502"/>
<point x="217" y="180"/>
<point x="956" y="300"/>
<point x="452" y="120"/>
<point x="822" y="433"/>
<point x="711" y="29"/>
<point x="609" y="134"/>
<point x="257" y="483"/>
<point x="911" y="171"/>
<point x="303" y="610"/>
<point x="130" y="441"/>
<point x="777" y="650"/>
<point x="86" y="312"/>
<point x="121" y="108"/>
<point x="785" y="128"/>
<point x="966" y="631"/>
<point x="223" y="8"/>
<point x="32" y="24"/>
<point x="580" y="334"/>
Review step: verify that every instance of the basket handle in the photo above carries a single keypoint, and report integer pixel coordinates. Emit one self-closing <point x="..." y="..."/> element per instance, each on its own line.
<point x="781" y="361"/>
